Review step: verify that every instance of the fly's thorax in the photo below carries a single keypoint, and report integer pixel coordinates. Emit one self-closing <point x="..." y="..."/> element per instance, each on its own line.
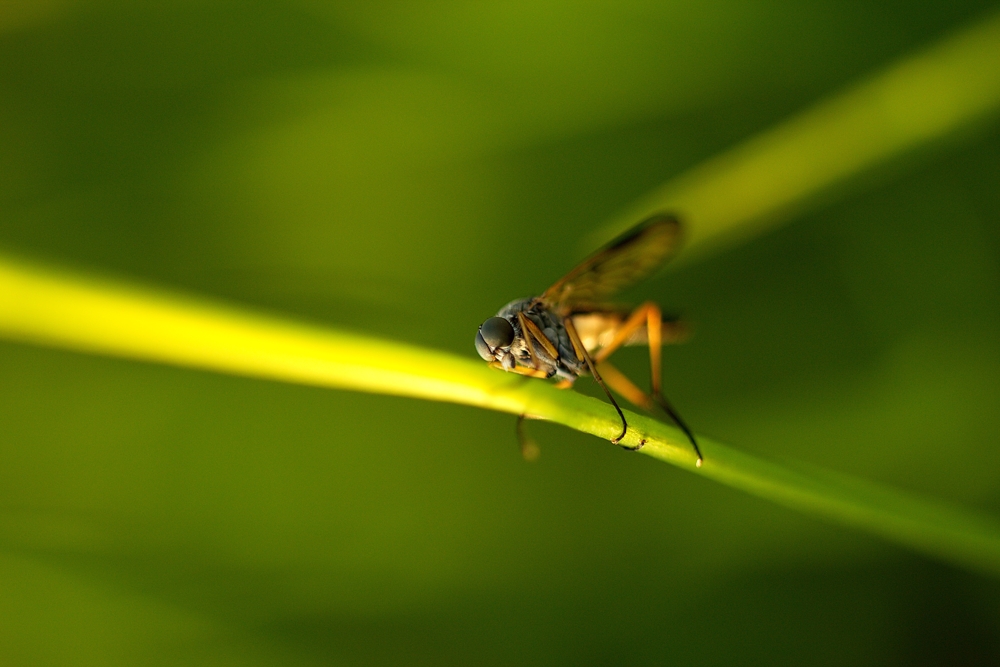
<point x="564" y="363"/>
<point x="541" y="360"/>
<point x="510" y="311"/>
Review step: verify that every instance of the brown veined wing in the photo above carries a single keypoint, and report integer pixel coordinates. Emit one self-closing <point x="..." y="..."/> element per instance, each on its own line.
<point x="631" y="257"/>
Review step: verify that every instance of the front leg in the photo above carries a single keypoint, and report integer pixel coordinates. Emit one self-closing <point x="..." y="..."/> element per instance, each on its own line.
<point x="583" y="355"/>
<point x="520" y="370"/>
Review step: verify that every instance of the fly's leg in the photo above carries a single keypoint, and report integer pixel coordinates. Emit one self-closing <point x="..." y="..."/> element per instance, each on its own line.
<point x="531" y="330"/>
<point x="654" y="323"/>
<point x="583" y="355"/>
<point x="519" y="370"/>
<point x="649" y="315"/>
<point x="625" y="387"/>
<point x="527" y="339"/>
<point x="617" y="381"/>
<point x="529" y="448"/>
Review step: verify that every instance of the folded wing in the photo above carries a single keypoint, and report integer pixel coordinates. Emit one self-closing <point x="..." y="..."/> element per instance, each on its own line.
<point x="631" y="257"/>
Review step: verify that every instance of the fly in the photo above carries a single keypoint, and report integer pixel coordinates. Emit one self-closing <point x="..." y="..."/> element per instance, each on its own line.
<point x="571" y="329"/>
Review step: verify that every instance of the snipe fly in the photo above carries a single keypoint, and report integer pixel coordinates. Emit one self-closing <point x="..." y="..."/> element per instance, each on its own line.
<point x="572" y="328"/>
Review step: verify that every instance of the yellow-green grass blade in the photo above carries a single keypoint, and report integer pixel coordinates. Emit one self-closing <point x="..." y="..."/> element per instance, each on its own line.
<point x="918" y="101"/>
<point x="47" y="307"/>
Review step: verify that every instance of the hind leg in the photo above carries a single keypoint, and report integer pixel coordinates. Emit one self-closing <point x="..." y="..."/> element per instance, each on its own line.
<point x="648" y="315"/>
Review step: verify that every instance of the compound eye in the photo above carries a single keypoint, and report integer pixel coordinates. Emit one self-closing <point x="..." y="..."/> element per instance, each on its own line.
<point x="482" y="348"/>
<point x="497" y="332"/>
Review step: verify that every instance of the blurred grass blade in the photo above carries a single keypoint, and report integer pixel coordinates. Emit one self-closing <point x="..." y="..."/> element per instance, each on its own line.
<point x="62" y="310"/>
<point x="763" y="182"/>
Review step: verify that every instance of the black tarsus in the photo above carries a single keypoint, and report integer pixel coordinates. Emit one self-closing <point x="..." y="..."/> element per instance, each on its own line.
<point x="577" y="343"/>
<point x="661" y="400"/>
<point x="597" y="376"/>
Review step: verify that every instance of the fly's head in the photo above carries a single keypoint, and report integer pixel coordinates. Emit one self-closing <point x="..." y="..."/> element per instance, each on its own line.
<point x="493" y="341"/>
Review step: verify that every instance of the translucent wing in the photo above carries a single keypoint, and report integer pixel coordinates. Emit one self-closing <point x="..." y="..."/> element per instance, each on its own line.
<point x="629" y="258"/>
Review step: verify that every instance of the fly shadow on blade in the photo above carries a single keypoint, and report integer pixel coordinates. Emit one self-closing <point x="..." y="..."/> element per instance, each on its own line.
<point x="571" y="329"/>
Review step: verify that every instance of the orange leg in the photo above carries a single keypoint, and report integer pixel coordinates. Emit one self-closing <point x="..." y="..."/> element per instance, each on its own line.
<point x="580" y="351"/>
<point x="617" y="381"/>
<point x="639" y="318"/>
<point x="520" y="370"/>
<point x="531" y="330"/>
<point x="529" y="448"/>
<point x="527" y="339"/>
<point x="648" y="315"/>
<point x="654" y="321"/>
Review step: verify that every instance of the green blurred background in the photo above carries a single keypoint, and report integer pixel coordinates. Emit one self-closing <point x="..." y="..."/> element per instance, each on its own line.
<point x="404" y="170"/>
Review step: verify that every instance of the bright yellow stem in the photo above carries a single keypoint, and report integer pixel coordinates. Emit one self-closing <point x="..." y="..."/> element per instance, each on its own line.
<point x="61" y="310"/>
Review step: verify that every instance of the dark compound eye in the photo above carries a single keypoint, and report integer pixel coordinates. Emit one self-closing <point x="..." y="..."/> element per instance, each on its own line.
<point x="497" y="332"/>
<point x="482" y="348"/>
<point x="494" y="332"/>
